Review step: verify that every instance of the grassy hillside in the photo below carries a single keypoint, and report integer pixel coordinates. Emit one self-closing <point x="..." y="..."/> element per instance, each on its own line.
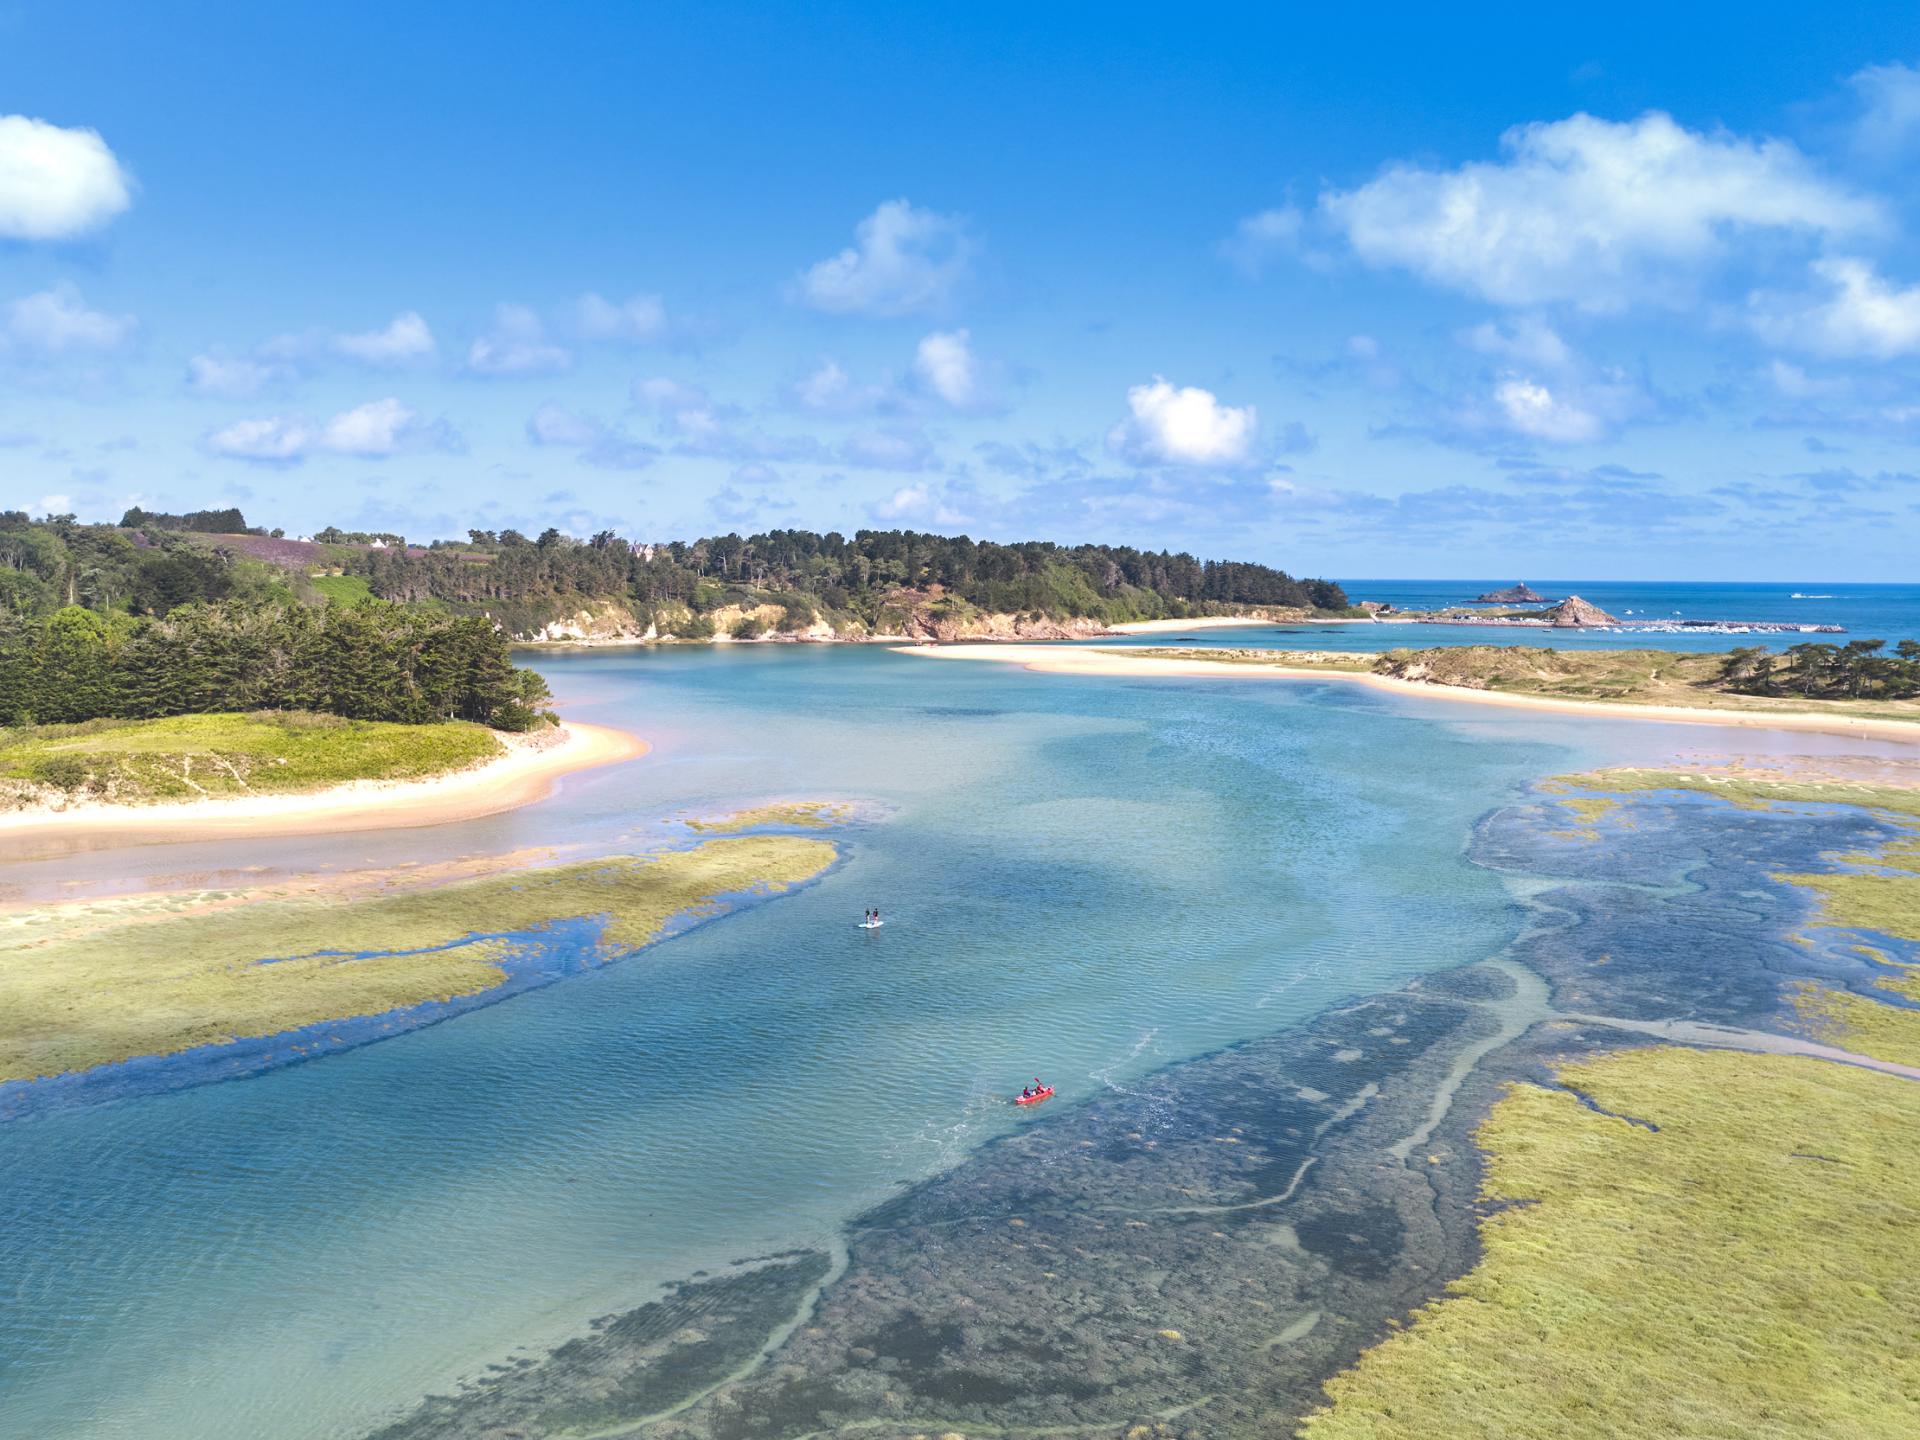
<point x="190" y="757"/>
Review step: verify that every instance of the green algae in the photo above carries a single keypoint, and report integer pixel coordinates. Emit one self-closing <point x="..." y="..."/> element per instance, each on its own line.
<point x="800" y="814"/>
<point x="111" y="984"/>
<point x="1657" y="1278"/>
<point x="1748" y="790"/>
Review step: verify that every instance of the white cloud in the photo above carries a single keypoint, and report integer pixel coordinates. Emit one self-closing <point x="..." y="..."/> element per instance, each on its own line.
<point x="405" y="338"/>
<point x="57" y="321"/>
<point x="54" y="183"/>
<point x="900" y="447"/>
<point x="607" y="447"/>
<point x="1532" y="409"/>
<point x="909" y="501"/>
<point x="1186" y="426"/>
<point x="1889" y="118"/>
<point x="277" y="440"/>
<point x="1528" y="340"/>
<point x="642" y="318"/>
<point x="944" y="362"/>
<point x="56" y="505"/>
<point x="1258" y="239"/>
<point x="1591" y="211"/>
<point x="667" y="396"/>
<point x="517" y="345"/>
<point x="373" y="431"/>
<point x="1862" y="315"/>
<point x="225" y="376"/>
<point x="904" y="261"/>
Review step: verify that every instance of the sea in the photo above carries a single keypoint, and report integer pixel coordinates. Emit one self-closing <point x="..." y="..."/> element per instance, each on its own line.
<point x="1083" y="879"/>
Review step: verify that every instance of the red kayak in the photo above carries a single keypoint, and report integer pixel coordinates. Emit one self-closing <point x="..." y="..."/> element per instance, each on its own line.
<point x="1035" y="1098"/>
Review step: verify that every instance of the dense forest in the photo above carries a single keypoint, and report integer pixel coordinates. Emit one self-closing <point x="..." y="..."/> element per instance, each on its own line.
<point x="150" y="563"/>
<point x="829" y="575"/>
<point x="367" y="662"/>
<point x="1857" y="670"/>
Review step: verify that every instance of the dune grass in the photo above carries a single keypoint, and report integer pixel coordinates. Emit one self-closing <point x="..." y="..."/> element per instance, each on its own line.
<point x="803" y="814"/>
<point x="194" y="757"/>
<point x="112" y="984"/>
<point x="1742" y="1271"/>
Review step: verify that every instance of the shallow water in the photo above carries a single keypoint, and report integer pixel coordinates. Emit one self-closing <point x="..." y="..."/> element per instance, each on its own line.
<point x="1082" y="878"/>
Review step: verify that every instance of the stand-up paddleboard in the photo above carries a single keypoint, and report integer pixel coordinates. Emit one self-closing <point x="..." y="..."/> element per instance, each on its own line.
<point x="869" y="924"/>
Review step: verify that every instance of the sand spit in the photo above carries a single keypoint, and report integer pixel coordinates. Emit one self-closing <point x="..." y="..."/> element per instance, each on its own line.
<point x="526" y="772"/>
<point x="1093" y="660"/>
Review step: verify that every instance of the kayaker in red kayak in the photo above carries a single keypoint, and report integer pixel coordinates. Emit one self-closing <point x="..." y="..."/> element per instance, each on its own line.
<point x="1036" y="1091"/>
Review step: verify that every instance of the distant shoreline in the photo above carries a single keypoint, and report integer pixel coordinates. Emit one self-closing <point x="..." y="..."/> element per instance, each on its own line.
<point x="1085" y="660"/>
<point x="523" y="773"/>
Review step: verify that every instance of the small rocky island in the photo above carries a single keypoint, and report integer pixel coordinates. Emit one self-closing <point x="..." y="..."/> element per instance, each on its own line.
<point x="1517" y="594"/>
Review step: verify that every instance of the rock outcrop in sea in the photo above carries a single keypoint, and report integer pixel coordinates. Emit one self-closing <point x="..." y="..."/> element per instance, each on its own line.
<point x="1519" y="593"/>
<point x="1573" y="613"/>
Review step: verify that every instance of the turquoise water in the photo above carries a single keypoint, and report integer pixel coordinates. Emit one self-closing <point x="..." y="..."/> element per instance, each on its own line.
<point x="1864" y="612"/>
<point x="1085" y="879"/>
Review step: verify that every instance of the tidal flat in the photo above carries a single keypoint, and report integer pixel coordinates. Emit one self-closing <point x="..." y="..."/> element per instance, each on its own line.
<point x="96" y="985"/>
<point x="1436" y="1211"/>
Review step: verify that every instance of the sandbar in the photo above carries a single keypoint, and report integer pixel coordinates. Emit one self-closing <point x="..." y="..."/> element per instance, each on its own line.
<point x="1094" y="660"/>
<point x="524" y="773"/>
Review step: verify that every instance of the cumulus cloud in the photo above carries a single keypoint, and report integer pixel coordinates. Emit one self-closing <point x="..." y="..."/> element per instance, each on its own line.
<point x="230" y="377"/>
<point x="904" y="261"/>
<point x="945" y="364"/>
<point x="633" y="321"/>
<point x="1532" y="409"/>
<point x="667" y="395"/>
<point x="1860" y="315"/>
<point x="516" y="345"/>
<point x="1589" y="211"/>
<point x="56" y="184"/>
<point x="1889" y="119"/>
<point x="828" y="388"/>
<point x="894" y="447"/>
<point x="607" y="447"/>
<point x="406" y="338"/>
<point x="58" y="321"/>
<point x="1259" y="239"/>
<point x="373" y="431"/>
<point x="1528" y="340"/>
<point x="1184" y="426"/>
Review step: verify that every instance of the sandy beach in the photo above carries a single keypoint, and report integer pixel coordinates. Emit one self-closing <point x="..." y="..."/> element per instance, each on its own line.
<point x="524" y="774"/>
<point x="1205" y="622"/>
<point x="1086" y="660"/>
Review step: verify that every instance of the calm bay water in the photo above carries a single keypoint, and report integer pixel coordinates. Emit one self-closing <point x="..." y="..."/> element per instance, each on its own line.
<point x="1083" y="879"/>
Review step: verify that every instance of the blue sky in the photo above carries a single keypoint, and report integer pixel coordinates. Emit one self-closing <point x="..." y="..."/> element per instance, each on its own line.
<point x="1358" y="291"/>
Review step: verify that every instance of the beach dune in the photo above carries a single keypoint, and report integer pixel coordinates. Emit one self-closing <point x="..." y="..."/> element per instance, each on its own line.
<point x="524" y="773"/>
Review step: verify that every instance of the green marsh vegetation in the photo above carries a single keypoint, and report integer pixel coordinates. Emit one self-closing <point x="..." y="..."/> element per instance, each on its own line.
<point x="1741" y="1270"/>
<point x="803" y="814"/>
<point x="193" y="757"/>
<point x="1628" y="677"/>
<point x="104" y="983"/>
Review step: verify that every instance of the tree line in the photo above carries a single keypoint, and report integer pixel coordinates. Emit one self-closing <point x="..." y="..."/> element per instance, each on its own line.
<point x="373" y="661"/>
<point x="1857" y="670"/>
<point x="837" y="575"/>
